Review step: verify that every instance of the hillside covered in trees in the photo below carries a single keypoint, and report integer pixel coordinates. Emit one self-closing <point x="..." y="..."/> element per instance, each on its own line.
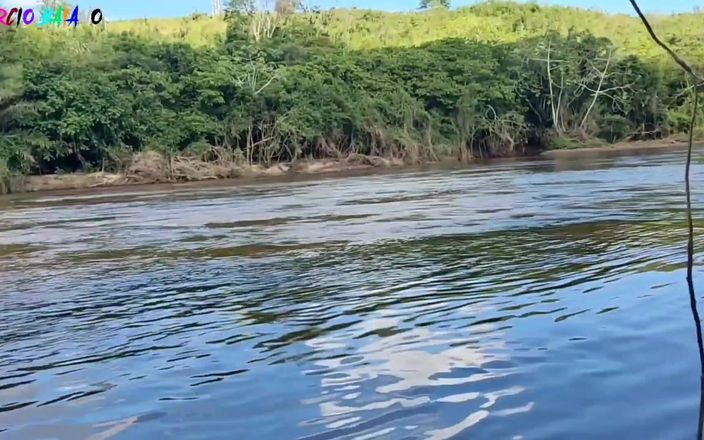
<point x="259" y="87"/>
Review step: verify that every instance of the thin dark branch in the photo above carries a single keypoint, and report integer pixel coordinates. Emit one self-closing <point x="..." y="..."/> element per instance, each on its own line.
<point x="683" y="64"/>
<point x="690" y="242"/>
<point x="690" y="261"/>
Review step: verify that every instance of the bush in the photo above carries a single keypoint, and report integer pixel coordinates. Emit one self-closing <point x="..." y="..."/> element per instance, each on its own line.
<point x="277" y="88"/>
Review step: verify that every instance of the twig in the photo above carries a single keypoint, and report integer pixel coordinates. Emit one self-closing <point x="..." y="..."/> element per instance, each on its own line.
<point x="690" y="242"/>
<point x="683" y="64"/>
<point x="690" y="263"/>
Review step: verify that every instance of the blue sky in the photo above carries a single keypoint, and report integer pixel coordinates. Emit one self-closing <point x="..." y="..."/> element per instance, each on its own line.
<point x="121" y="9"/>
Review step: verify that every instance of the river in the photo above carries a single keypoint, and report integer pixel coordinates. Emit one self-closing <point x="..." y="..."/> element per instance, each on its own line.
<point x="532" y="299"/>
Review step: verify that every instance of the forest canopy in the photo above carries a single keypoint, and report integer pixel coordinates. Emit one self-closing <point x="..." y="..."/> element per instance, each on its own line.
<point x="265" y="87"/>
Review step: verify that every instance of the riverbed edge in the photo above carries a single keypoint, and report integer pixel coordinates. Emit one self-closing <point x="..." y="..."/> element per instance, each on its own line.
<point x="87" y="181"/>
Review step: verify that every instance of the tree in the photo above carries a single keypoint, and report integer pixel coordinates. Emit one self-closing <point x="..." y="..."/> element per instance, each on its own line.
<point x="285" y="7"/>
<point x="567" y="81"/>
<point x="257" y="14"/>
<point x="434" y="4"/>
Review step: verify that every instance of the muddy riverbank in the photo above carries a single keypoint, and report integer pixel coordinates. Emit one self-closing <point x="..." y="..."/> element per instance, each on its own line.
<point x="149" y="169"/>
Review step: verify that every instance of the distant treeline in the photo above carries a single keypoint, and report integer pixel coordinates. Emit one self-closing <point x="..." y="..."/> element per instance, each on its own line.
<point x="279" y="87"/>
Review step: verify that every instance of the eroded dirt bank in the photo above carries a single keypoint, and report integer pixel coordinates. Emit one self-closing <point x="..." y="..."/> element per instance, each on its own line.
<point x="150" y="168"/>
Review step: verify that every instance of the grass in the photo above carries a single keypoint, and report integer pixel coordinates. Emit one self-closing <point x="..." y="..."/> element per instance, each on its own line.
<point x="491" y="22"/>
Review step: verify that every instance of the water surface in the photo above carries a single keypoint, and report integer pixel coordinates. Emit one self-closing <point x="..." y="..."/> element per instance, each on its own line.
<point x="537" y="299"/>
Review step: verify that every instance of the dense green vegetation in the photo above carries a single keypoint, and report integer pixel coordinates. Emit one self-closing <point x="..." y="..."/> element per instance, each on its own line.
<point x="491" y="22"/>
<point x="482" y="81"/>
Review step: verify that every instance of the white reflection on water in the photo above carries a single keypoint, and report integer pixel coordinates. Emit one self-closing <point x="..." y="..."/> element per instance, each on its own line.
<point x="421" y="362"/>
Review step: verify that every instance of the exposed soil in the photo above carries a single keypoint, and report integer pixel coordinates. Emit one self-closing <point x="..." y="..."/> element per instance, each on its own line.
<point x="150" y="168"/>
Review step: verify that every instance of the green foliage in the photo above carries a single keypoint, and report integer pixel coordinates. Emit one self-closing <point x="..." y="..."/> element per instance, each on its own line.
<point x="434" y="4"/>
<point x="489" y="21"/>
<point x="274" y="86"/>
<point x="564" y="144"/>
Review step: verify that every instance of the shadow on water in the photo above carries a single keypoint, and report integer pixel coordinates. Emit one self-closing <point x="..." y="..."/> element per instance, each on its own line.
<point x="513" y="300"/>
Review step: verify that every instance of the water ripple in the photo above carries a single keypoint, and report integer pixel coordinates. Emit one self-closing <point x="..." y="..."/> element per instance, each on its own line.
<point x="534" y="299"/>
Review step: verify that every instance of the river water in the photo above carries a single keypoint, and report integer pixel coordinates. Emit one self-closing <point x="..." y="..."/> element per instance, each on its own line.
<point x="536" y="299"/>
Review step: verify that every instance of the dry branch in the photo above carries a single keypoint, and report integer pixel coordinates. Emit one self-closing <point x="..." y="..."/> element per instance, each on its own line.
<point x="690" y="241"/>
